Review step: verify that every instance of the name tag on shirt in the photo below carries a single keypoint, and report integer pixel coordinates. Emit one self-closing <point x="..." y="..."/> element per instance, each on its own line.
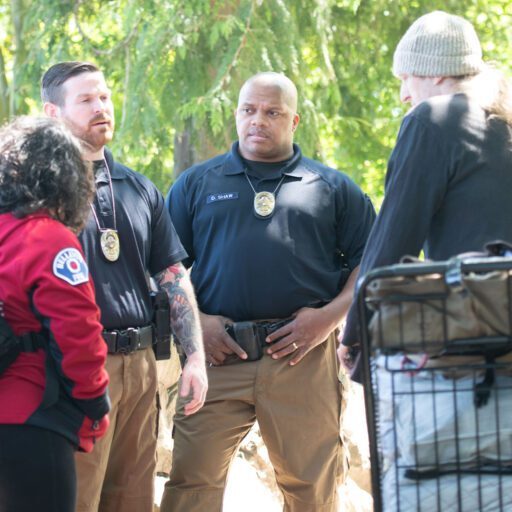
<point x="223" y="196"/>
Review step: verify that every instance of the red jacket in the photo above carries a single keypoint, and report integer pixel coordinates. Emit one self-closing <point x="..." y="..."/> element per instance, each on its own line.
<point x="44" y="284"/>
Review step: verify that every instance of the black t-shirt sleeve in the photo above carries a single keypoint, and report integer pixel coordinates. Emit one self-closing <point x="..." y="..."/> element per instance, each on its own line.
<point x="166" y="248"/>
<point x="176" y="205"/>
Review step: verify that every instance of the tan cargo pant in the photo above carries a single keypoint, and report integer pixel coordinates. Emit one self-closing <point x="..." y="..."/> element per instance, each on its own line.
<point x="298" y="411"/>
<point x="118" y="474"/>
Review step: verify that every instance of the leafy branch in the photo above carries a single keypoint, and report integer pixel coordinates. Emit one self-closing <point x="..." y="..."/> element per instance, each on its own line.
<point x="124" y="43"/>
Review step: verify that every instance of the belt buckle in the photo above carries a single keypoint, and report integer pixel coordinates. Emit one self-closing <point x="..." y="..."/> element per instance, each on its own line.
<point x="270" y="327"/>
<point x="133" y="336"/>
<point x="126" y="341"/>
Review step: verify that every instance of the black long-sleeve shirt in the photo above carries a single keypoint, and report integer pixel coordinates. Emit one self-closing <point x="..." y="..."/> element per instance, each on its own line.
<point x="448" y="187"/>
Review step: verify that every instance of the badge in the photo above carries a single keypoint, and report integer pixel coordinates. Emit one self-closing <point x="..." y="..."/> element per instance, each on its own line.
<point x="109" y="242"/>
<point x="264" y="204"/>
<point x="69" y="265"/>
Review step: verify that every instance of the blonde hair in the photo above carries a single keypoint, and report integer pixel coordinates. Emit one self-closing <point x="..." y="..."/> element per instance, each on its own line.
<point x="491" y="89"/>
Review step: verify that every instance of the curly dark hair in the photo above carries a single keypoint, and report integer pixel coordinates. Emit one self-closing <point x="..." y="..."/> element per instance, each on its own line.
<point x="41" y="168"/>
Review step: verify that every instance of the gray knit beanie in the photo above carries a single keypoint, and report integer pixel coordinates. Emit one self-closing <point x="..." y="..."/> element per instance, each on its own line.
<point x="438" y="44"/>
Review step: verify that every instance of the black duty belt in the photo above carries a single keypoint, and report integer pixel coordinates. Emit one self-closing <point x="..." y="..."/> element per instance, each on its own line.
<point x="128" y="340"/>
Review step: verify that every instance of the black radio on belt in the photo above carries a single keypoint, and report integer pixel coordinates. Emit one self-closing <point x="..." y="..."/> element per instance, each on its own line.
<point x="162" y="323"/>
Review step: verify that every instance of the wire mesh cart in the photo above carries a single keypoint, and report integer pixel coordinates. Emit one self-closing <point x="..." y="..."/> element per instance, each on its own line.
<point x="437" y="366"/>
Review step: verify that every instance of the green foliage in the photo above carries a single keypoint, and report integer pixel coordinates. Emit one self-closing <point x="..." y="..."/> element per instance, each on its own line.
<point x="177" y="67"/>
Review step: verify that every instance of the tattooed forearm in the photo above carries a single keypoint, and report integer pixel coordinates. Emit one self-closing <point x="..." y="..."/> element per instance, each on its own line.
<point x="184" y="313"/>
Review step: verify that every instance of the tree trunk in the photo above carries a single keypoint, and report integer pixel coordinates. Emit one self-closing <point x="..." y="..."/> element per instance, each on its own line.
<point x="4" y="91"/>
<point x="18" y="9"/>
<point x="183" y="150"/>
<point x="191" y="146"/>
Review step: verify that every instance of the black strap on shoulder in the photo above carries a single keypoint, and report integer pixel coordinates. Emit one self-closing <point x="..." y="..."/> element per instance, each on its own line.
<point x="28" y="342"/>
<point x="7" y="339"/>
<point x="11" y="345"/>
<point x="32" y="341"/>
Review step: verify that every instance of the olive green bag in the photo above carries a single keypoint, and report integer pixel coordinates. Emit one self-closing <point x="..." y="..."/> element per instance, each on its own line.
<point x="431" y="312"/>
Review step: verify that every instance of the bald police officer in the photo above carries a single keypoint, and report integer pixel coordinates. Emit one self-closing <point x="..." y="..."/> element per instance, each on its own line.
<point x="274" y="240"/>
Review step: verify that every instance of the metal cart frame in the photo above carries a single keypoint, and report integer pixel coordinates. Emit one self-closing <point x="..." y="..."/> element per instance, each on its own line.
<point x="486" y="347"/>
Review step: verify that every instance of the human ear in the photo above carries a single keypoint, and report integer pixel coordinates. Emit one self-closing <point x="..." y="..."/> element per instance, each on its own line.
<point x="296" y="119"/>
<point x="51" y="110"/>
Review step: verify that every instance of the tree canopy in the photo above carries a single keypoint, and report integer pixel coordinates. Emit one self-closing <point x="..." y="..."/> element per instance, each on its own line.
<point x="176" y="68"/>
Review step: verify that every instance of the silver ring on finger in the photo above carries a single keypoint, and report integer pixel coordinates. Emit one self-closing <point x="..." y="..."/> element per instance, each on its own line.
<point x="295" y="346"/>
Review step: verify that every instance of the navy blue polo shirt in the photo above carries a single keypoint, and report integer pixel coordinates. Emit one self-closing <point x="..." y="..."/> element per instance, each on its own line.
<point x="248" y="268"/>
<point x="148" y="241"/>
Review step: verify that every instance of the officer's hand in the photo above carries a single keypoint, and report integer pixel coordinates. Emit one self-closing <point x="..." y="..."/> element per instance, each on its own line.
<point x="309" y="328"/>
<point x="194" y="382"/>
<point x="217" y="342"/>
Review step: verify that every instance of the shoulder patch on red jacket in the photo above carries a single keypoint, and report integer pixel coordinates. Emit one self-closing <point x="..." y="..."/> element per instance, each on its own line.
<point x="69" y="265"/>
